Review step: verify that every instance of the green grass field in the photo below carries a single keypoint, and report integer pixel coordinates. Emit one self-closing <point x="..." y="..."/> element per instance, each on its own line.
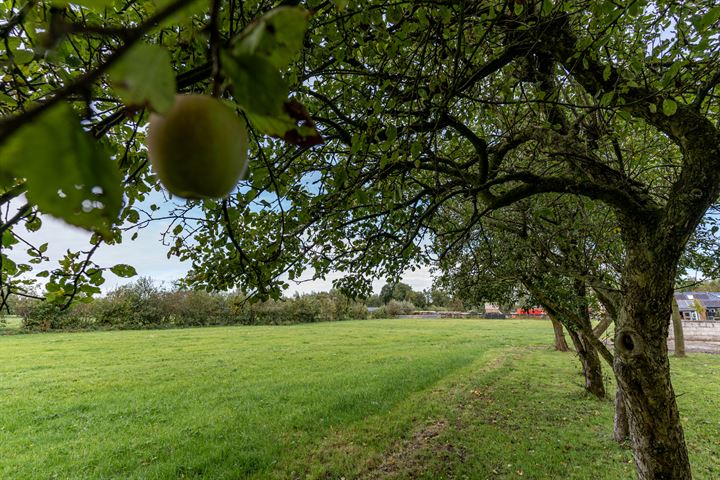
<point x="367" y="399"/>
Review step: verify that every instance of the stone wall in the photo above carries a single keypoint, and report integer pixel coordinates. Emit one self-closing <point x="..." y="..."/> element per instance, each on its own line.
<point x="700" y="330"/>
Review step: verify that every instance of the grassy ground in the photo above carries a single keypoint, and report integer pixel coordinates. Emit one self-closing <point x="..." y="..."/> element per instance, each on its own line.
<point x="369" y="399"/>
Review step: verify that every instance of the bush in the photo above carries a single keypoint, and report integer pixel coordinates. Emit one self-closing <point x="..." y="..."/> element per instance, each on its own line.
<point x="135" y="305"/>
<point x="45" y="316"/>
<point x="395" y="308"/>
<point x="315" y="307"/>
<point x="192" y="308"/>
<point x="40" y="316"/>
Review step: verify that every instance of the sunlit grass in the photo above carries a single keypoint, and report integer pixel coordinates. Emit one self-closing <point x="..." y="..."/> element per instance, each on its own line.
<point x="392" y="398"/>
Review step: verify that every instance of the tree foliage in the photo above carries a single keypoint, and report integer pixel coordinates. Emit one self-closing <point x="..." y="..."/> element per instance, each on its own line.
<point x="79" y="83"/>
<point x="434" y="114"/>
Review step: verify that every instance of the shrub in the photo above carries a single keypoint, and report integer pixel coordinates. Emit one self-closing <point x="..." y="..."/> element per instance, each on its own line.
<point x="395" y="308"/>
<point x="40" y="316"/>
<point x="135" y="305"/>
<point x="190" y="308"/>
<point x="45" y="316"/>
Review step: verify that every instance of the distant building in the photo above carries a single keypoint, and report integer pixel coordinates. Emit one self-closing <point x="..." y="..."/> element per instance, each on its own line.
<point x="698" y="306"/>
<point x="492" y="308"/>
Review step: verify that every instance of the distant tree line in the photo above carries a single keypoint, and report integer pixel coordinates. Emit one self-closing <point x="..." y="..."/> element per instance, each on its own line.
<point x="399" y="292"/>
<point x="708" y="285"/>
<point x="143" y="305"/>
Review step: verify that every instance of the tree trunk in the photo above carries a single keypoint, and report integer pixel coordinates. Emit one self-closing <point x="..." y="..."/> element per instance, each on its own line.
<point x="591" y="366"/>
<point x="678" y="334"/>
<point x="586" y="351"/>
<point x="601" y="327"/>
<point x="560" y="343"/>
<point x="621" y="429"/>
<point x="641" y="364"/>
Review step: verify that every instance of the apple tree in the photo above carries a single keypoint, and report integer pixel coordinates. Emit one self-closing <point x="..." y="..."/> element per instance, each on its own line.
<point x="421" y="105"/>
<point x="427" y="104"/>
<point x="81" y="80"/>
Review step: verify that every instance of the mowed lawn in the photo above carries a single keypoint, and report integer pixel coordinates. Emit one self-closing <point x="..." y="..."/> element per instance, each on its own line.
<point x="365" y="399"/>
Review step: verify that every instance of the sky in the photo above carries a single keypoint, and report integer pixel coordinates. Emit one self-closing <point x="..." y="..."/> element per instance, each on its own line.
<point x="149" y="257"/>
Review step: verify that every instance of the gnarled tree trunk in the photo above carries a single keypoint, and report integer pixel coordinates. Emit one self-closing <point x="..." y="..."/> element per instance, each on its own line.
<point x="590" y="358"/>
<point x="591" y="366"/>
<point x="585" y="347"/>
<point x="642" y="368"/>
<point x="621" y="429"/>
<point x="560" y="343"/>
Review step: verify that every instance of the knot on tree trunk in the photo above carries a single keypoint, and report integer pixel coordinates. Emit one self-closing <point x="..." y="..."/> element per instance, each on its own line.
<point x="629" y="343"/>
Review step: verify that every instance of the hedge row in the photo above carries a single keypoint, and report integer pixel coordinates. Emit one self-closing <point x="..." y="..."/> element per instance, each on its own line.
<point x="141" y="305"/>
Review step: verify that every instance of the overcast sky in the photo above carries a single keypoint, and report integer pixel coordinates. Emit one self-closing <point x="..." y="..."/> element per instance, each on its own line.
<point x="149" y="256"/>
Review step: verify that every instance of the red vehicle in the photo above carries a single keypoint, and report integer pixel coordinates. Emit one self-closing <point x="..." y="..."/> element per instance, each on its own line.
<point x="530" y="311"/>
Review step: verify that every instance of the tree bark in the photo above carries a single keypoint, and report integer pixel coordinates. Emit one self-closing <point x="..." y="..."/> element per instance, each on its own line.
<point x="560" y="342"/>
<point x="591" y="361"/>
<point x="584" y="346"/>
<point x="641" y="363"/>
<point x="621" y="429"/>
<point x="678" y="334"/>
<point x="601" y="327"/>
<point x="591" y="366"/>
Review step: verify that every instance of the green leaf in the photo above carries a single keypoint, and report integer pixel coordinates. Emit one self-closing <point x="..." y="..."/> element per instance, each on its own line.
<point x="68" y="174"/>
<point x="607" y="71"/>
<point x="703" y="22"/>
<point x="97" y="5"/>
<point x="606" y="98"/>
<point x="33" y="225"/>
<point x="653" y="108"/>
<point x="285" y="127"/>
<point x="277" y="35"/>
<point x="669" y="107"/>
<point x="415" y="149"/>
<point x="133" y="216"/>
<point x="89" y="289"/>
<point x="547" y="7"/>
<point x="8" y="266"/>
<point x="258" y="87"/>
<point x="144" y="76"/>
<point x="123" y="270"/>
<point x="22" y="57"/>
<point x="8" y="239"/>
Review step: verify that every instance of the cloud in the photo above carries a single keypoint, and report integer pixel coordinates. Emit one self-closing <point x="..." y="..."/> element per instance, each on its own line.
<point x="419" y="280"/>
<point x="149" y="256"/>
